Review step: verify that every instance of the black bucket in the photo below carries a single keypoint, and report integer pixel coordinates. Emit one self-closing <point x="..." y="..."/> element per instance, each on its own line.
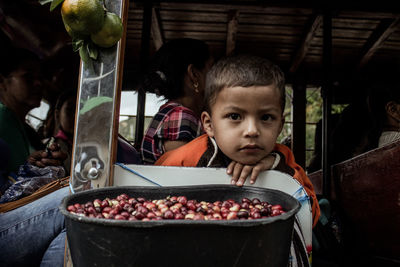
<point x="259" y="242"/>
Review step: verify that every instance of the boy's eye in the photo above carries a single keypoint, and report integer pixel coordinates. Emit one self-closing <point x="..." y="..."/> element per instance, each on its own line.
<point x="234" y="116"/>
<point x="266" y="117"/>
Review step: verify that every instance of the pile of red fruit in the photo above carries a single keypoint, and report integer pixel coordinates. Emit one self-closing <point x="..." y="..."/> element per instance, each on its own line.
<point x="124" y="207"/>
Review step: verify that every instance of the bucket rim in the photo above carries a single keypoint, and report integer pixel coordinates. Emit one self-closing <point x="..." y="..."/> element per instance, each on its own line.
<point x="178" y="223"/>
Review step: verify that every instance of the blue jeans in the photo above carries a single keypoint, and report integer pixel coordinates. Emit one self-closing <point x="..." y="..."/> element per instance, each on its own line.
<point x="34" y="234"/>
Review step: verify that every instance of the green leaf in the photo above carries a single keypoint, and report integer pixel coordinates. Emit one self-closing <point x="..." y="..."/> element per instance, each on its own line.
<point x="92" y="50"/>
<point x="84" y="54"/>
<point x="77" y="44"/>
<point x="43" y="2"/>
<point x="55" y="3"/>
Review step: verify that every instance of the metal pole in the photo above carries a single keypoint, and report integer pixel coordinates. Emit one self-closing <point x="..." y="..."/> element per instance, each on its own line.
<point x="144" y="55"/>
<point x="299" y="119"/>
<point x="327" y="101"/>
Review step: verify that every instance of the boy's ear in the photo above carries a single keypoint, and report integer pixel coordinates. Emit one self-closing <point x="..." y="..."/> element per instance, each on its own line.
<point x="207" y="123"/>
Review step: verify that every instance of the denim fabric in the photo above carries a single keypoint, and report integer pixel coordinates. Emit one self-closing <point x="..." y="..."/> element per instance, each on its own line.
<point x="34" y="232"/>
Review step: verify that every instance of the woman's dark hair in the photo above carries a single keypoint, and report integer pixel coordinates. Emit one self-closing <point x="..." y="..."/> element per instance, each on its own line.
<point x="64" y="96"/>
<point x="13" y="58"/>
<point x="169" y="65"/>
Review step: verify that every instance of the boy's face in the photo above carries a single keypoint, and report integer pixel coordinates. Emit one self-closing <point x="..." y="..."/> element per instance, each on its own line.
<point x="245" y="122"/>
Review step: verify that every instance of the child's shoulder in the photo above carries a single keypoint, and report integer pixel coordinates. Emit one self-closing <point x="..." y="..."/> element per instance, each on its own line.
<point x="186" y="155"/>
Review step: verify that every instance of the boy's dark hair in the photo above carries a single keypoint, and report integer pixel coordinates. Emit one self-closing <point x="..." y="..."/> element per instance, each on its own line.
<point x="170" y="63"/>
<point x="244" y="71"/>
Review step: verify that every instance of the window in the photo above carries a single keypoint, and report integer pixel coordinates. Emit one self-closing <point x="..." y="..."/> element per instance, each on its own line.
<point x="36" y="116"/>
<point x="313" y="115"/>
<point x="128" y="108"/>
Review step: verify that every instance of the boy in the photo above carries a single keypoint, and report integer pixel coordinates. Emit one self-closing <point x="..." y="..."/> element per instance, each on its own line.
<point x="244" y="104"/>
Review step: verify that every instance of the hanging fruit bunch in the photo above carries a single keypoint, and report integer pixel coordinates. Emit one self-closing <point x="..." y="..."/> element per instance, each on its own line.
<point x="90" y="25"/>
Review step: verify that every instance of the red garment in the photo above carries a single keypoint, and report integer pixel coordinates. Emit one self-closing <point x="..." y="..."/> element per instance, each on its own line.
<point x="63" y="136"/>
<point x="190" y="154"/>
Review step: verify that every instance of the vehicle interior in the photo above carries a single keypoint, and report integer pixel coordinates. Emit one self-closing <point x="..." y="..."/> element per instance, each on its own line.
<point x="332" y="47"/>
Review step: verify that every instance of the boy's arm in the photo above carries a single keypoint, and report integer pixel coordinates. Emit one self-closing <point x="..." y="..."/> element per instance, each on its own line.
<point x="240" y="172"/>
<point x="288" y="165"/>
<point x="189" y="155"/>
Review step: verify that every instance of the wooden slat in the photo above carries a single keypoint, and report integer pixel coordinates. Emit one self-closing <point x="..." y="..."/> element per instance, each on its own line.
<point x="221" y="28"/>
<point x="135" y="12"/>
<point x="207" y="36"/>
<point x="271" y="29"/>
<point x="347" y="34"/>
<point x="355" y="24"/>
<point x="314" y="25"/>
<point x="284" y="39"/>
<point x="195" y="16"/>
<point x="133" y="34"/>
<point x="242" y="8"/>
<point x="395" y="35"/>
<point x="194" y="26"/>
<point x="366" y="15"/>
<point x="339" y="42"/>
<point x="266" y="19"/>
<point x="393" y="46"/>
<point x="232" y="28"/>
<point x="313" y="58"/>
<point x="384" y="30"/>
<point x="156" y="31"/>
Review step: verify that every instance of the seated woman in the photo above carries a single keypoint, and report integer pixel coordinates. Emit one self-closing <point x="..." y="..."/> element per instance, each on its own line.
<point x="20" y="91"/>
<point x="177" y="73"/>
<point x="39" y="221"/>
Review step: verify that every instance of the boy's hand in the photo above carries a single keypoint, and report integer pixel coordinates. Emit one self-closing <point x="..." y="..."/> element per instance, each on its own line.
<point x="240" y="172"/>
<point x="53" y="156"/>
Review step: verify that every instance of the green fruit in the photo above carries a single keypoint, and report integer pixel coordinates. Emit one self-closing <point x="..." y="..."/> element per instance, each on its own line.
<point x="110" y="33"/>
<point x="73" y="34"/>
<point x="82" y="17"/>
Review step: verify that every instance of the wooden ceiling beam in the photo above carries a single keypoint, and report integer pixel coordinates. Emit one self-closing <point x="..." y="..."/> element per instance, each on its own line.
<point x="156" y="31"/>
<point x="232" y="28"/>
<point x="310" y="32"/>
<point x="385" y="28"/>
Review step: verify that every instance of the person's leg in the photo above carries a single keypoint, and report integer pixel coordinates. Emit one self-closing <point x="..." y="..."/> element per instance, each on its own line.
<point x="27" y="232"/>
<point x="54" y="255"/>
